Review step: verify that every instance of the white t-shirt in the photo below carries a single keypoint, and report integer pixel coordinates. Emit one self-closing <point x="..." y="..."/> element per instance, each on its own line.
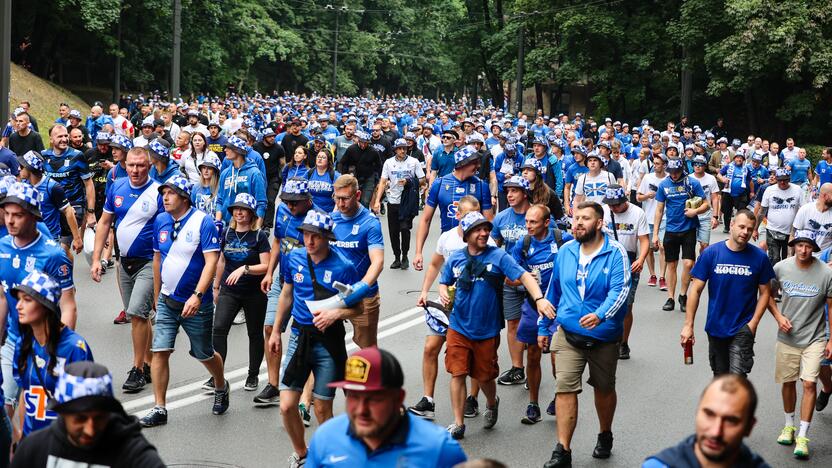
<point x="782" y="206"/>
<point x="451" y="241"/>
<point x="232" y="125"/>
<point x="197" y="128"/>
<point x="808" y="217"/>
<point x="709" y="186"/>
<point x="594" y="187"/>
<point x="122" y="126"/>
<point x="789" y="154"/>
<point x="629" y="225"/>
<point x="649" y="184"/>
<point x="583" y="268"/>
<point x="395" y="171"/>
<point x="173" y="130"/>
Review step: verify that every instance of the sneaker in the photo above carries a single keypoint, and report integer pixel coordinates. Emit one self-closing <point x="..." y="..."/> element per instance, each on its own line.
<point x="221" y="399"/>
<point x="550" y="410"/>
<point x="146" y="373"/>
<point x="652" y="281"/>
<point x="801" y="447"/>
<point x="305" y="415"/>
<point x="603" y="448"/>
<point x="725" y="230"/>
<point x="121" y="318"/>
<point x="683" y="302"/>
<point x="624" y="351"/>
<point x="561" y="458"/>
<point x="786" y="435"/>
<point x="156" y="417"/>
<point x="490" y="415"/>
<point x="823" y="400"/>
<point x="240" y="318"/>
<point x="383" y="209"/>
<point x="135" y="381"/>
<point x="252" y="382"/>
<point x="268" y="396"/>
<point x="532" y="415"/>
<point x="405" y="263"/>
<point x="472" y="407"/>
<point x="513" y="376"/>
<point x="111" y="263"/>
<point x="208" y="386"/>
<point x="103" y="266"/>
<point x="456" y="431"/>
<point x="424" y="408"/>
<point x="662" y="284"/>
<point x="669" y="305"/>
<point x="296" y="461"/>
<point x="397" y="264"/>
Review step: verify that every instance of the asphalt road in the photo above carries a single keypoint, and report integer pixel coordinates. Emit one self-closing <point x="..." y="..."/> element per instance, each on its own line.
<point x="657" y="393"/>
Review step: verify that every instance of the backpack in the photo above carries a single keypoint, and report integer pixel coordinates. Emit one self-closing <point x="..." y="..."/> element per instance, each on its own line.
<point x="527" y="242"/>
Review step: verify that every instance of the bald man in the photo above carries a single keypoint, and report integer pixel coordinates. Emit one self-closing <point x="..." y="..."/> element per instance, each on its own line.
<point x="817" y="217"/>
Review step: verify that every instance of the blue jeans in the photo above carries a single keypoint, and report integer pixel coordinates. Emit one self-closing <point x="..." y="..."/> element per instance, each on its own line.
<point x="323" y="368"/>
<point x="198" y="327"/>
<point x="273" y="296"/>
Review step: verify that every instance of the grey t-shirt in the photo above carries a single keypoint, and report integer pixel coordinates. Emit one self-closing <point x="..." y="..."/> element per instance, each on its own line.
<point x="804" y="295"/>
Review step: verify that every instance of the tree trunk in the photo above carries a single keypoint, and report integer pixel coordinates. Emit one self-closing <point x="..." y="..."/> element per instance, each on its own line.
<point x="687" y="86"/>
<point x="751" y="110"/>
<point x="538" y="96"/>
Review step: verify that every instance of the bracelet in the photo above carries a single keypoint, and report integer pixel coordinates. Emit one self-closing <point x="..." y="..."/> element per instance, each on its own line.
<point x="539" y="298"/>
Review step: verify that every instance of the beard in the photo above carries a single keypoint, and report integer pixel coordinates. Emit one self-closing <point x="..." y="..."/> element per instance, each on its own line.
<point x="587" y="236"/>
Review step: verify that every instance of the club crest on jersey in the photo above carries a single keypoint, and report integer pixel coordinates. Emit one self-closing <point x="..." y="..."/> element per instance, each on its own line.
<point x="66" y="163"/>
<point x="30" y="264"/>
<point x="473" y="188"/>
<point x="298" y="277"/>
<point x="189" y="236"/>
<point x="327" y="276"/>
<point x="554" y="247"/>
<point x="118" y="201"/>
<point x="163" y="236"/>
<point x="145" y="206"/>
<point x="355" y="228"/>
<point x="16" y="262"/>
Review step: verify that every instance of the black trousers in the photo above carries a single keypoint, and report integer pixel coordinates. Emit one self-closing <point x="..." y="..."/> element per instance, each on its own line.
<point x="399" y="232"/>
<point x="253" y="304"/>
<point x="271" y="194"/>
<point x="729" y="204"/>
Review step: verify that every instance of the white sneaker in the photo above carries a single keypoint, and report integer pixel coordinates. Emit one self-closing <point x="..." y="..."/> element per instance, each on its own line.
<point x="296" y="461"/>
<point x="240" y="318"/>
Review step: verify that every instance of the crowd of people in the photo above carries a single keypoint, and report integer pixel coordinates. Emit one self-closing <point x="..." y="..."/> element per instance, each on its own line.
<point x="266" y="210"/>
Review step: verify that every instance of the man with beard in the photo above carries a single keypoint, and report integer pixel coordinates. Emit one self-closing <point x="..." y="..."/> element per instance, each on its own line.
<point x="725" y="417"/>
<point x="373" y="388"/>
<point x="590" y="284"/>
<point x="294" y="138"/>
<point x="342" y="142"/>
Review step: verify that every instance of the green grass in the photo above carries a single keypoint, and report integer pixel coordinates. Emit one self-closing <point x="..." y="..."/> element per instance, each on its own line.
<point x="44" y="98"/>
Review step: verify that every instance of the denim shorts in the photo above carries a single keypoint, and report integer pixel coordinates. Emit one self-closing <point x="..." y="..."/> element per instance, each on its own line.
<point x="273" y="297"/>
<point x="703" y="233"/>
<point x="662" y="227"/>
<point x="323" y="368"/>
<point x="10" y="387"/>
<point x="199" y="328"/>
<point x="513" y="298"/>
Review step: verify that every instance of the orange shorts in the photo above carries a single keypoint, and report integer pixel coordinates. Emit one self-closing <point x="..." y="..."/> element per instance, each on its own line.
<point x="476" y="358"/>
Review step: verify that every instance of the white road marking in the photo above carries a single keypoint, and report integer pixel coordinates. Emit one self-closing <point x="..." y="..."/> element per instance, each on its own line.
<point x="238" y="376"/>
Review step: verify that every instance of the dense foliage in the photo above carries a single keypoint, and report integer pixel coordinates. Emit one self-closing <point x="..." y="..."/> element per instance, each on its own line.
<point x="764" y="64"/>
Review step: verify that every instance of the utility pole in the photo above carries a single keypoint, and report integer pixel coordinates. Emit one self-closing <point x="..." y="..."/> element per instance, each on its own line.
<point x="335" y="46"/>
<point x="521" y="56"/>
<point x="177" y="44"/>
<point x="5" y="59"/>
<point x="117" y="71"/>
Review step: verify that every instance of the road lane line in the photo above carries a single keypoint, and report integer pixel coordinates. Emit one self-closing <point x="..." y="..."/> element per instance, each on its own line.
<point x="146" y="402"/>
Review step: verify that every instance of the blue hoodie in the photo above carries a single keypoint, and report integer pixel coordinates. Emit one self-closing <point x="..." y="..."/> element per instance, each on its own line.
<point x="251" y="156"/>
<point x="246" y="179"/>
<point x="170" y="171"/>
<point x="607" y="285"/>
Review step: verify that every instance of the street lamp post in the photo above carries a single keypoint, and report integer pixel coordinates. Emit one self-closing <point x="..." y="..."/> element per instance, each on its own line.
<point x="5" y="59"/>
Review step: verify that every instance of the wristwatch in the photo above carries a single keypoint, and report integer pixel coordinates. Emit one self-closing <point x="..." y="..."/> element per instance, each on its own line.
<point x="90" y="210"/>
<point x="198" y="294"/>
<point x="246" y="269"/>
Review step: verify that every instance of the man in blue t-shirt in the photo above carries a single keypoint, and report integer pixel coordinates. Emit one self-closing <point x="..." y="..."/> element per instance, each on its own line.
<point x="801" y="168"/>
<point x="442" y="160"/>
<point x="738" y="275"/>
<point x="185" y="254"/>
<point x="385" y="436"/>
<point x="510" y="228"/>
<point x="683" y="200"/>
<point x="823" y="170"/>
<point x="358" y="237"/>
<point x="478" y="273"/>
<point x="316" y="343"/>
<point x="446" y="192"/>
<point x="131" y="206"/>
<point x="68" y="167"/>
